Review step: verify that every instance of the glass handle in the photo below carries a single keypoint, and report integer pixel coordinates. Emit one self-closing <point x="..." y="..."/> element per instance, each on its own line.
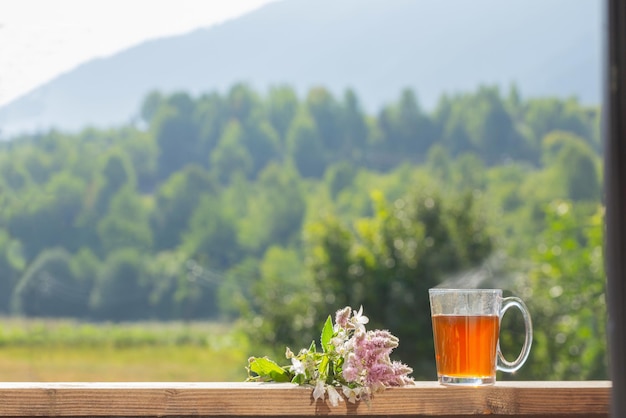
<point x="503" y="364"/>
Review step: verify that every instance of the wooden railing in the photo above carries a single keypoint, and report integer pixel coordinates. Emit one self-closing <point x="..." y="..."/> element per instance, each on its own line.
<point x="425" y="399"/>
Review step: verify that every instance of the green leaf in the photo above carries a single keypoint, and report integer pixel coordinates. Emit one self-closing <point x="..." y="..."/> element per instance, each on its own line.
<point x="268" y="369"/>
<point x="327" y="334"/>
<point x="323" y="368"/>
<point x="299" y="379"/>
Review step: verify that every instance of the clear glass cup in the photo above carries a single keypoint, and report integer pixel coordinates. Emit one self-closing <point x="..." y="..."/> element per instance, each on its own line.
<point x="466" y="330"/>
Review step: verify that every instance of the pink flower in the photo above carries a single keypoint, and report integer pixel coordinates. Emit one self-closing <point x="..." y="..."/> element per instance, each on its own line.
<point x="342" y="316"/>
<point x="379" y="372"/>
<point x="369" y="363"/>
<point x="350" y="372"/>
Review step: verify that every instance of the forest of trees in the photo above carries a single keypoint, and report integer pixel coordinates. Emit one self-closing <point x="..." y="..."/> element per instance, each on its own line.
<point x="275" y="210"/>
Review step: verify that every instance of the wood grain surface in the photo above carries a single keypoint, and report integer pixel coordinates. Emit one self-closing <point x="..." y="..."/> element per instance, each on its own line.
<point x="425" y="399"/>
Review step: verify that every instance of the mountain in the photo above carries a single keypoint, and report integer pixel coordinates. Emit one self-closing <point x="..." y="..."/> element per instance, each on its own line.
<point x="376" y="47"/>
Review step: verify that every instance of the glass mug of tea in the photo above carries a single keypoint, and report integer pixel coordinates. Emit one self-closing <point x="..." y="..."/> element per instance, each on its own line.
<point x="466" y="330"/>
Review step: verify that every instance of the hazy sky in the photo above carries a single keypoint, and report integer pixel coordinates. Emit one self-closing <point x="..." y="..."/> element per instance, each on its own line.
<point x="40" y="39"/>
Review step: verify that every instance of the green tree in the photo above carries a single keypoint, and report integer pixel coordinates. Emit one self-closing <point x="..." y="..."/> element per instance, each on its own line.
<point x="503" y="186"/>
<point x="210" y="116"/>
<point x="304" y="145"/>
<point x="339" y="177"/>
<point x="48" y="219"/>
<point x="177" y="136"/>
<point x="262" y="143"/>
<point x="85" y="266"/>
<point x="211" y="239"/>
<point x="407" y="131"/>
<point x="565" y="292"/>
<point x="37" y="164"/>
<point x="544" y="115"/>
<point x="325" y="112"/>
<point x="283" y="303"/>
<point x="117" y="172"/>
<point x="469" y="172"/>
<point x="126" y="224"/>
<point x="282" y="106"/>
<point x="166" y="273"/>
<point x="275" y="211"/>
<point x="439" y="163"/>
<point x="48" y="288"/>
<point x="237" y="292"/>
<point x="142" y="152"/>
<point x="14" y="175"/>
<point x="242" y="102"/>
<point x="119" y="291"/>
<point x="573" y="164"/>
<point x="175" y="201"/>
<point x="450" y="121"/>
<point x="481" y="122"/>
<point x="12" y="264"/>
<point x="150" y="106"/>
<point x="354" y="128"/>
<point x="231" y="155"/>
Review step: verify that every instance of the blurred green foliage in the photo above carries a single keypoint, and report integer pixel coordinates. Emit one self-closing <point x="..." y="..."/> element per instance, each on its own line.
<point x="276" y="210"/>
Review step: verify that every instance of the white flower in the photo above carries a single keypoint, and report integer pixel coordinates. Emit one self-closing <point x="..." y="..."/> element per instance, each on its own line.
<point x="352" y="394"/>
<point x="333" y="396"/>
<point x="320" y="389"/>
<point x="339" y="342"/>
<point x="359" y="320"/>
<point x="296" y="366"/>
<point x="336" y="342"/>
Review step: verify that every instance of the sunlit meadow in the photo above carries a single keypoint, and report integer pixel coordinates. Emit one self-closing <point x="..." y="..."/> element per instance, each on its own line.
<point x="64" y="350"/>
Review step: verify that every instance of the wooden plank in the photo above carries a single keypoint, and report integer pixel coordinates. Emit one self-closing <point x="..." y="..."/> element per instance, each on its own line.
<point x="425" y="399"/>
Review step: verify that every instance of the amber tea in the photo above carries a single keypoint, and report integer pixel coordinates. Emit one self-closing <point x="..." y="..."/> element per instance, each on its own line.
<point x="465" y="346"/>
<point x="466" y="328"/>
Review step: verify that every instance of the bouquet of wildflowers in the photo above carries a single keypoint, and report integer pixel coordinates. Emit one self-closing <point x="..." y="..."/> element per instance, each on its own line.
<point x="352" y="361"/>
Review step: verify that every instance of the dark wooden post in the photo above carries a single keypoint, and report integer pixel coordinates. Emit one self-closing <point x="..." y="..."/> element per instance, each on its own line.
<point x="614" y="113"/>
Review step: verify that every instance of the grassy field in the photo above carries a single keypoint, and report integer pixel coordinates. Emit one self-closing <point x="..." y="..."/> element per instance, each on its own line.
<point x="55" y="350"/>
